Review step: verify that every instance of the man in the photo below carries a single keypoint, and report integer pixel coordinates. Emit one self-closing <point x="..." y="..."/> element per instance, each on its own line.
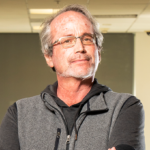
<point x="75" y="113"/>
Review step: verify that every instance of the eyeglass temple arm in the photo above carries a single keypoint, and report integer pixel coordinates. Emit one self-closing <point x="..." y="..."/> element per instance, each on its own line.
<point x="53" y="44"/>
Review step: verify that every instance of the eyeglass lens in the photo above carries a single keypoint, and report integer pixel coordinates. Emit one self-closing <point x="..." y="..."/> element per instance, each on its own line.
<point x="71" y="40"/>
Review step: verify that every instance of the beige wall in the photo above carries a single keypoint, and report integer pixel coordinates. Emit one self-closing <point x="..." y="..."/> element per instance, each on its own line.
<point x="142" y="77"/>
<point x="24" y="72"/>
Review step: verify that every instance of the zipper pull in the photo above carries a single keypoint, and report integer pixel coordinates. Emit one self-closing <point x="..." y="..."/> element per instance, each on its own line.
<point x="58" y="134"/>
<point x="57" y="139"/>
<point x="68" y="139"/>
<point x="76" y="137"/>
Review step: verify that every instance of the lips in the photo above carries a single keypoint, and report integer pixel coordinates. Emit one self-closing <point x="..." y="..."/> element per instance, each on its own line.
<point x="80" y="58"/>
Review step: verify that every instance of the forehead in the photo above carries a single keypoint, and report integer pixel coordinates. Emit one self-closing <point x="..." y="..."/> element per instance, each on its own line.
<point x="70" y="22"/>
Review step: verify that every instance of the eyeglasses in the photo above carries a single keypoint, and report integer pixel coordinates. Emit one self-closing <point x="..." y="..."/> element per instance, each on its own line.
<point x="70" y="41"/>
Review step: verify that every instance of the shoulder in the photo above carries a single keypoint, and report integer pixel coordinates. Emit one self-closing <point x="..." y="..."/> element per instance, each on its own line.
<point x="30" y="103"/>
<point x="133" y="106"/>
<point x="125" y="98"/>
<point x="117" y="96"/>
<point x="11" y="113"/>
<point x="33" y="99"/>
<point x="123" y="102"/>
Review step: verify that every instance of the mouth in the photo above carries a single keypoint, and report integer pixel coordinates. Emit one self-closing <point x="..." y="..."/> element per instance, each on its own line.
<point x="80" y="61"/>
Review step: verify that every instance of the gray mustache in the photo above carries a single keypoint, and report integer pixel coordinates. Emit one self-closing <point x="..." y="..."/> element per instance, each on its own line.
<point x="78" y="57"/>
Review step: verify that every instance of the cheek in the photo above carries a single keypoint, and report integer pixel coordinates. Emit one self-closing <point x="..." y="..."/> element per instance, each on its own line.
<point x="93" y="52"/>
<point x="60" y="58"/>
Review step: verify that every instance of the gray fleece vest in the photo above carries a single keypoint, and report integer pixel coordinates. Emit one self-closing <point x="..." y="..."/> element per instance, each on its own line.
<point x="41" y="124"/>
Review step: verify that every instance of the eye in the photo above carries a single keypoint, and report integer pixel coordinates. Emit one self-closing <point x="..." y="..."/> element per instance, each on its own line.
<point x="67" y="40"/>
<point x="87" y="39"/>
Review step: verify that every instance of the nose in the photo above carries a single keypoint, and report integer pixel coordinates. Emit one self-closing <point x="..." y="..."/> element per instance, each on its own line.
<point x="79" y="47"/>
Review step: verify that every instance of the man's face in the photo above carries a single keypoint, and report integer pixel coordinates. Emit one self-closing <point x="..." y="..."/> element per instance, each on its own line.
<point x="79" y="61"/>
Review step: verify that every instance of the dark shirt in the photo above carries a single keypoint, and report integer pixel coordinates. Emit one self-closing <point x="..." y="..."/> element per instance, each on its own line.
<point x="72" y="112"/>
<point x="131" y="116"/>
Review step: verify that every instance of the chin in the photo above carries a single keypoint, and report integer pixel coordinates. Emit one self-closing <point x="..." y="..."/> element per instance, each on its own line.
<point x="81" y="73"/>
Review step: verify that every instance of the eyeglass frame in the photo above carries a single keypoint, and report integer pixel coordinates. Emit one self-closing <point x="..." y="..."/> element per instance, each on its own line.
<point x="92" y="35"/>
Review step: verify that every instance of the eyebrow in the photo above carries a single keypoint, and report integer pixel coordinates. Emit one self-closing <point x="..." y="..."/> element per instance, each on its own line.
<point x="68" y="35"/>
<point x="74" y="35"/>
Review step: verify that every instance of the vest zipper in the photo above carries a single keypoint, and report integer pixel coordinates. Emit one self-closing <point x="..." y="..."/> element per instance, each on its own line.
<point x="57" y="138"/>
<point x="67" y="142"/>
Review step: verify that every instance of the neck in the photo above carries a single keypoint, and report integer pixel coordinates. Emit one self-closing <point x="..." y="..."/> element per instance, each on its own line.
<point x="72" y="90"/>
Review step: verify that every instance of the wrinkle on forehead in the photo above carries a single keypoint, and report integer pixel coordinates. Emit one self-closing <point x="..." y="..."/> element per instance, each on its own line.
<point x="68" y="21"/>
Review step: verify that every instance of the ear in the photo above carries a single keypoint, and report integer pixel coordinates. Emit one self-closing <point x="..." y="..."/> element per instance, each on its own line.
<point x="99" y="54"/>
<point x="49" y="61"/>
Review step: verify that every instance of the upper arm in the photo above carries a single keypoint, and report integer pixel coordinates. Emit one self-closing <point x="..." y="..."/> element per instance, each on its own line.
<point x="9" y="130"/>
<point x="129" y="126"/>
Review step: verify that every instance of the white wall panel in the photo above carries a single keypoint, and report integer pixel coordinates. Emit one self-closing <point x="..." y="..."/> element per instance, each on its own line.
<point x="142" y="77"/>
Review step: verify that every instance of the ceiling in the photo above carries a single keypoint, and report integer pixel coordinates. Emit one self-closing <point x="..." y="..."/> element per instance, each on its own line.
<point x="114" y="16"/>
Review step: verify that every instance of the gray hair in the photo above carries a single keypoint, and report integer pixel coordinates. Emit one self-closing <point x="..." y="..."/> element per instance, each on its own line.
<point x="46" y="36"/>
